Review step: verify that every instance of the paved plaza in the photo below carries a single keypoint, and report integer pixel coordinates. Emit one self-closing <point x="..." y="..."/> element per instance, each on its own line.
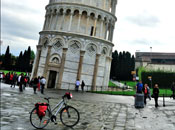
<point x="97" y="111"/>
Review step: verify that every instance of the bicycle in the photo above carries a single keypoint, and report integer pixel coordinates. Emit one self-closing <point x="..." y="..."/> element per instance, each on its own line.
<point x="69" y="116"/>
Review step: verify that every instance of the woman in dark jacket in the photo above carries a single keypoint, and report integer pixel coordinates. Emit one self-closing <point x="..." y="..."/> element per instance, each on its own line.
<point x="82" y="86"/>
<point x="156" y="94"/>
<point x="34" y="84"/>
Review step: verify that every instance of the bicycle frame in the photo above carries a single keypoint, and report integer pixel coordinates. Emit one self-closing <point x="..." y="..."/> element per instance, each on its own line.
<point x="59" y="106"/>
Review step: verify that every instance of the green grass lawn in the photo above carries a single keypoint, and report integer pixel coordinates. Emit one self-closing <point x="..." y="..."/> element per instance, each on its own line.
<point x="166" y="92"/>
<point x="111" y="84"/>
<point x="130" y="83"/>
<point x="7" y="71"/>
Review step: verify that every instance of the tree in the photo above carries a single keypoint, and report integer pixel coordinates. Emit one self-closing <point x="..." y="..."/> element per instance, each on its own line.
<point x="113" y="65"/>
<point x="19" y="62"/>
<point x="7" y="59"/>
<point x="122" y="65"/>
<point x="32" y="56"/>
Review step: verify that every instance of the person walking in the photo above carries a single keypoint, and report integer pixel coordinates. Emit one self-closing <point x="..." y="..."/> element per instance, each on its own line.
<point x="25" y="81"/>
<point x="145" y="91"/>
<point x="82" y="85"/>
<point x="173" y="90"/>
<point x="34" y="84"/>
<point x="43" y="82"/>
<point x="11" y="79"/>
<point x="14" y="80"/>
<point x="39" y="83"/>
<point x="139" y="87"/>
<point x="21" y="82"/>
<point x="77" y="84"/>
<point x="149" y="92"/>
<point x="1" y="76"/>
<point x="156" y="94"/>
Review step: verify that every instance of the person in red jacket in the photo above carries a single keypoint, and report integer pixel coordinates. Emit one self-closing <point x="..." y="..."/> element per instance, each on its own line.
<point x="11" y="79"/>
<point x="145" y="92"/>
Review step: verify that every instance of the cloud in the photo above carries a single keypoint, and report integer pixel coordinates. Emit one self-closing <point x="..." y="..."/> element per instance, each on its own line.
<point x="14" y="26"/>
<point x="144" y="19"/>
<point x="17" y="44"/>
<point x="140" y="41"/>
<point x="21" y="23"/>
<point x="19" y="7"/>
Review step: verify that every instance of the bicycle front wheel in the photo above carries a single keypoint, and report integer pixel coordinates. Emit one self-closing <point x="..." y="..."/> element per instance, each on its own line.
<point x="37" y="121"/>
<point x="69" y="116"/>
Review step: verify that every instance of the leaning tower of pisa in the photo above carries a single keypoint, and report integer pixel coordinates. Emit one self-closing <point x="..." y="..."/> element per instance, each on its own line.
<point x="76" y="43"/>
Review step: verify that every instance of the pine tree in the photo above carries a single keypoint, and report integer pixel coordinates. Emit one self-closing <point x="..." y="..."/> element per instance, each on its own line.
<point x="19" y="62"/>
<point x="122" y="65"/>
<point x="7" y="59"/>
<point x="28" y="58"/>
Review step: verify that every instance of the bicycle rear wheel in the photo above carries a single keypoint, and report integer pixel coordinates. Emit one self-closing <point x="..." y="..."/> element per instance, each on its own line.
<point x="69" y="116"/>
<point x="37" y="122"/>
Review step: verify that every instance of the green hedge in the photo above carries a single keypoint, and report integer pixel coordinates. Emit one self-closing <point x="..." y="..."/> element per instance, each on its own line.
<point x="163" y="79"/>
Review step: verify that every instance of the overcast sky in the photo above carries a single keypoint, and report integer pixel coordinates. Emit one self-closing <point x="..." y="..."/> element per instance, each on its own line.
<point x="141" y="24"/>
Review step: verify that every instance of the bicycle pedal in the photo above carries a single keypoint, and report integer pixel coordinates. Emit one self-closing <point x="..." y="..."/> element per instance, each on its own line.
<point x="55" y="123"/>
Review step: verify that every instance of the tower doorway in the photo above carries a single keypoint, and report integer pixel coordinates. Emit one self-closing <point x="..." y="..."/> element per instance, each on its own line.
<point x="52" y="79"/>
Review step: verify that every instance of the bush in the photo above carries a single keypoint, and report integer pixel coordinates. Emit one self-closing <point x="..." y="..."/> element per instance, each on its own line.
<point x="163" y="79"/>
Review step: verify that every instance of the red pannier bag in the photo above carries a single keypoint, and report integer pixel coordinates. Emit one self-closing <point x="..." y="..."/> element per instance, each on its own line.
<point x="41" y="109"/>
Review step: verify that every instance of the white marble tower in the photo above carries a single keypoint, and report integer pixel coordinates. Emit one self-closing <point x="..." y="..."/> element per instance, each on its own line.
<point x="76" y="43"/>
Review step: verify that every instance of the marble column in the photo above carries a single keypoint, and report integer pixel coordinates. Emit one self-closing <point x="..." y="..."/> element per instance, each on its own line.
<point x="87" y="24"/>
<point x="57" y="14"/>
<point x="79" y="21"/>
<point x="62" y="23"/>
<point x="50" y="23"/>
<point x="95" y="72"/>
<point x="47" y="22"/>
<point x="37" y="59"/>
<point x="47" y="61"/>
<point x="44" y="27"/>
<point x="70" y="22"/>
<point x="106" y="29"/>
<point x="112" y="31"/>
<point x="95" y="24"/>
<point x="63" y="59"/>
<point x="109" y="35"/>
<point x="101" y="29"/>
<point x="114" y="2"/>
<point x="80" y="64"/>
<point x="107" y="72"/>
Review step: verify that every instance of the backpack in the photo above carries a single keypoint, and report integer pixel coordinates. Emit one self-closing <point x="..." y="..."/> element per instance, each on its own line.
<point x="41" y="109"/>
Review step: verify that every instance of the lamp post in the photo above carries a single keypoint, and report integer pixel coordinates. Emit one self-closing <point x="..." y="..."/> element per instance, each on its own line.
<point x="150" y="53"/>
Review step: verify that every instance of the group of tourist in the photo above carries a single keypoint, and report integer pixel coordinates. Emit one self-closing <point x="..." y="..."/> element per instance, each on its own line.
<point x="38" y="82"/>
<point x="77" y="84"/>
<point x="140" y="88"/>
<point x="13" y="79"/>
<point x="23" y="81"/>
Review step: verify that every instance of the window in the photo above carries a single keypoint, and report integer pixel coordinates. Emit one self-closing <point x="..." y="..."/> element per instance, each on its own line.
<point x="58" y="45"/>
<point x="92" y="31"/>
<point x="104" y="51"/>
<point x="55" y="60"/>
<point x="91" y="49"/>
<point x="74" y="46"/>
